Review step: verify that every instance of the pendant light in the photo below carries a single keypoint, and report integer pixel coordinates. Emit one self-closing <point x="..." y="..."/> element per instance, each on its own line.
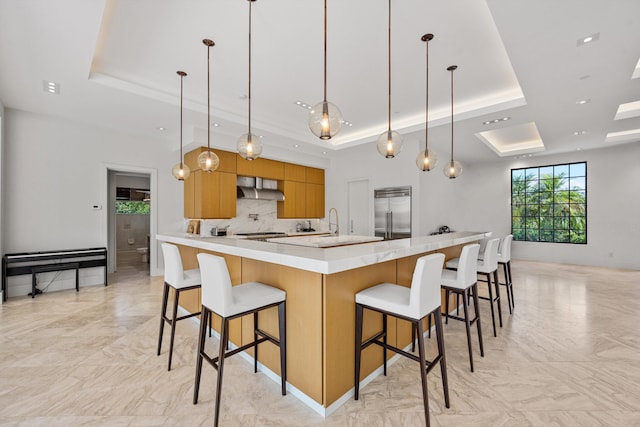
<point x="453" y="168"/>
<point x="249" y="145"/>
<point x="389" y="142"/>
<point x="208" y="160"/>
<point x="180" y="170"/>
<point x="325" y="118"/>
<point x="426" y="160"/>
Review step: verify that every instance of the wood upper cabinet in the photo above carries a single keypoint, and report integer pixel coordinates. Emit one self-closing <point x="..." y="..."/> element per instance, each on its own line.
<point x="303" y="192"/>
<point x="296" y="173"/>
<point x="227" y="160"/>
<point x="264" y="168"/>
<point x="209" y="195"/>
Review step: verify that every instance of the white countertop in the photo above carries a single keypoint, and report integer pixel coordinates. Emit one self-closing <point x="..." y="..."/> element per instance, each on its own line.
<point x="323" y="260"/>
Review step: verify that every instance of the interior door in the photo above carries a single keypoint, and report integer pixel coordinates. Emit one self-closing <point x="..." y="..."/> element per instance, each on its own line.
<point x="359" y="214"/>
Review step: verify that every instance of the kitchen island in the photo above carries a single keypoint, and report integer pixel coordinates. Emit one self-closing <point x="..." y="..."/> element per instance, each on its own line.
<point x="320" y="285"/>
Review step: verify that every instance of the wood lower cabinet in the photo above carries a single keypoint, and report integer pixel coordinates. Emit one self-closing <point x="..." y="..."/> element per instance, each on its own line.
<point x="210" y="195"/>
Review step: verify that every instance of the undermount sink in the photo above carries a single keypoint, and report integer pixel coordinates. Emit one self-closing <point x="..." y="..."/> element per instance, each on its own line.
<point x="326" y="241"/>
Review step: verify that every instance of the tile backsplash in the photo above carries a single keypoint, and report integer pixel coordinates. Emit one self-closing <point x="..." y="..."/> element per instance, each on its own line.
<point x="255" y="216"/>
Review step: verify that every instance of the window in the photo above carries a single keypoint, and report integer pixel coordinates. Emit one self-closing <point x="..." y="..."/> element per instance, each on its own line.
<point x="132" y="201"/>
<point x="549" y="203"/>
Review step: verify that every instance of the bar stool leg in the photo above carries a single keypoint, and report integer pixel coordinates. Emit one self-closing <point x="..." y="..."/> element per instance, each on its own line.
<point x="513" y="301"/>
<point x="493" y="316"/>
<point x="255" y="340"/>
<point x="173" y="325"/>
<point x="224" y="329"/>
<point x="358" y="352"/>
<point x="446" y="306"/>
<point x="497" y="284"/>
<point x="474" y="291"/>
<point x="165" y="297"/>
<point x="282" y="326"/>
<point x="202" y="333"/>
<point x="423" y="370"/>
<point x="465" y="306"/>
<point x="506" y="282"/>
<point x="384" y="339"/>
<point x="443" y="360"/>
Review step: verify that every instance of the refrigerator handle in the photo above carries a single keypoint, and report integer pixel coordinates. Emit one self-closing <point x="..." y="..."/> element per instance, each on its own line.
<point x="391" y="224"/>
<point x="351" y="226"/>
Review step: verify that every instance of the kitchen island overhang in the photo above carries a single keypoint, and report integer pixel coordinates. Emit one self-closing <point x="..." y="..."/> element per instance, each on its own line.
<point x="325" y="260"/>
<point x="321" y="284"/>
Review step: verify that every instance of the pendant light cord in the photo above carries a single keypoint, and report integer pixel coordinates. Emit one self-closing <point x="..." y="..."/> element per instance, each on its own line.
<point x="250" y="3"/>
<point x="325" y="51"/>
<point x="208" y="101"/>
<point x="452" y="69"/>
<point x="426" y="103"/>
<point x="389" y="68"/>
<point x="181" y="79"/>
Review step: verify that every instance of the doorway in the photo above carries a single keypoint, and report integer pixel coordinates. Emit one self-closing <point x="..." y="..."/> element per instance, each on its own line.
<point x="131" y="219"/>
<point x="359" y="208"/>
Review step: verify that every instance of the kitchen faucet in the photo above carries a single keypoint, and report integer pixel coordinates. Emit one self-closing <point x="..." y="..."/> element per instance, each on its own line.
<point x="336" y="223"/>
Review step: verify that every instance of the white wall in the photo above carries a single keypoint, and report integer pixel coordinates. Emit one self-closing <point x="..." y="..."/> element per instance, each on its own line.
<point x="54" y="173"/>
<point x="433" y="193"/>
<point x="480" y="199"/>
<point x="1" y="187"/>
<point x="613" y="207"/>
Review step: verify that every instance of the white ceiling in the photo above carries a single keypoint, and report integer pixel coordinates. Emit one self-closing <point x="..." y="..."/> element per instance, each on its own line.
<point x="116" y="63"/>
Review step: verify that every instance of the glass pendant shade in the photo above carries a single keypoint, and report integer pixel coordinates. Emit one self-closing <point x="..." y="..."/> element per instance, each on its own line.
<point x="426" y="160"/>
<point x="181" y="171"/>
<point x="325" y="120"/>
<point x="249" y="146"/>
<point x="208" y="161"/>
<point x="389" y="144"/>
<point x="452" y="169"/>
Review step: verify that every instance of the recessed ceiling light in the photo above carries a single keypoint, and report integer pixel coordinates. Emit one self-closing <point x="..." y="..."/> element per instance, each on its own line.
<point x="588" y="39"/>
<point x="215" y="125"/>
<point x="50" y="87"/>
<point x="583" y="101"/>
<point x="347" y="123"/>
<point x="580" y="132"/>
<point x="160" y="128"/>
<point x="324" y="152"/>
<point x="503" y="119"/>
<point x="303" y="105"/>
<point x="297" y="145"/>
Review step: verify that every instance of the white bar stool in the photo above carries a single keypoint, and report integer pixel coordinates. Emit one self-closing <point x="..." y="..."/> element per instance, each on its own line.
<point x="411" y="304"/>
<point x="180" y="280"/>
<point x="464" y="282"/>
<point x="230" y="302"/>
<point x="504" y="259"/>
<point x="487" y="266"/>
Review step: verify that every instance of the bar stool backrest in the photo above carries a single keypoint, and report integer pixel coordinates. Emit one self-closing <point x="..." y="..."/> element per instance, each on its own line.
<point x="173" y="271"/>
<point x="504" y="252"/>
<point x="216" y="283"/>
<point x="490" y="262"/>
<point x="425" y="285"/>
<point x="468" y="265"/>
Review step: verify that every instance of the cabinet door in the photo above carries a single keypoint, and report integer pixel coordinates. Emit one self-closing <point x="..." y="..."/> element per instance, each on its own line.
<point x="294" y="172"/>
<point x="207" y="194"/>
<point x="315" y="175"/>
<point x="314" y="201"/>
<point x="227" y="195"/>
<point x="189" y="196"/>
<point x="294" y="204"/>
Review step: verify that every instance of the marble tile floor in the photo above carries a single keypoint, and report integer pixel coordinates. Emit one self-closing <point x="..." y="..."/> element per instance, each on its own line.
<point x="568" y="356"/>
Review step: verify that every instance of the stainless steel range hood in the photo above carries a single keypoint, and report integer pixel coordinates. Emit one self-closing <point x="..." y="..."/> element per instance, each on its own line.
<point x="258" y="189"/>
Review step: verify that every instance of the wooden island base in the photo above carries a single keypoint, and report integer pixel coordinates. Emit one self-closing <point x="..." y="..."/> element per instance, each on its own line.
<point x="320" y="320"/>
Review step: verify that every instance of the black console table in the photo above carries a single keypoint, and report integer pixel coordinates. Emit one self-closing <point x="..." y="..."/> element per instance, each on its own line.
<point x="40" y="262"/>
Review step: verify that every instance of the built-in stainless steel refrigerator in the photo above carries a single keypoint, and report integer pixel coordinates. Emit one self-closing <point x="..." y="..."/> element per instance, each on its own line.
<point x="392" y="212"/>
